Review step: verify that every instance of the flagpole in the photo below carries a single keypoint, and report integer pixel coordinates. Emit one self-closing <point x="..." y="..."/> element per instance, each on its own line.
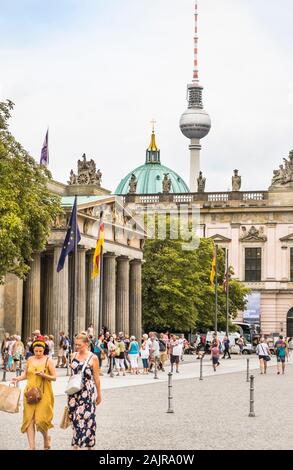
<point x="216" y="289"/>
<point x="227" y="292"/>
<point x="74" y="287"/>
<point x="101" y="291"/>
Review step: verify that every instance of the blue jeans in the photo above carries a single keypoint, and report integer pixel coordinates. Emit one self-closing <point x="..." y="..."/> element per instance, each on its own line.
<point x="145" y="363"/>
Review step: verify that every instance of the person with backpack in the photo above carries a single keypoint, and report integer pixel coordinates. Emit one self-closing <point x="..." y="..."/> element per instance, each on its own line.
<point x="99" y="350"/>
<point x="215" y="355"/>
<point x="163" y="352"/>
<point x="281" y="353"/>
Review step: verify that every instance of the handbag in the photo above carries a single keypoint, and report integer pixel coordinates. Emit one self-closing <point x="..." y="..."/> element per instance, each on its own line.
<point x="34" y="394"/>
<point x="75" y="382"/>
<point x="267" y="358"/>
<point x="9" y="399"/>
<point x="65" y="421"/>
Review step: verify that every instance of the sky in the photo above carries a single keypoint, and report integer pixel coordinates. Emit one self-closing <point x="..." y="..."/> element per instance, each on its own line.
<point x="98" y="71"/>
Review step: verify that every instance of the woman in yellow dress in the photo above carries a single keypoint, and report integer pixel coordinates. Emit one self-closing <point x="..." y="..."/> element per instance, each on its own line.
<point x="39" y="372"/>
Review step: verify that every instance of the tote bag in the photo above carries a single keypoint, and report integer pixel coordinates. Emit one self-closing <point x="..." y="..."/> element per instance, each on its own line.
<point x="9" y="399"/>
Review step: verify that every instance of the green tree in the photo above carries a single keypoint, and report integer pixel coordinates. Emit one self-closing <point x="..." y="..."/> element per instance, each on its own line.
<point x="176" y="291"/>
<point x="27" y="208"/>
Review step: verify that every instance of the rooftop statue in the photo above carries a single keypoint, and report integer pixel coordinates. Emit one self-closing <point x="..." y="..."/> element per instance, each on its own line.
<point x="132" y="184"/>
<point x="201" y="183"/>
<point x="86" y="173"/>
<point x="284" y="174"/>
<point x="236" y="181"/>
<point x="166" y="184"/>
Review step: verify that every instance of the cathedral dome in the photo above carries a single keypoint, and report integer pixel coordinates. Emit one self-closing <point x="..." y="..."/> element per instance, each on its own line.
<point x="150" y="176"/>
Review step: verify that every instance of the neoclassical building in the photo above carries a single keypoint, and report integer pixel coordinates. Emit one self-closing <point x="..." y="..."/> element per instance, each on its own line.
<point x="43" y="301"/>
<point x="257" y="229"/>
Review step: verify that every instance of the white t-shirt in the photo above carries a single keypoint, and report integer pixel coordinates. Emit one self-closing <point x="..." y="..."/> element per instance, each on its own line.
<point x="177" y="350"/>
<point x="144" y="353"/>
<point x="262" y="349"/>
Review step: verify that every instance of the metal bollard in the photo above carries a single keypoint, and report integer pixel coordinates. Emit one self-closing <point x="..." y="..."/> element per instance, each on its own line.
<point x="200" y="369"/>
<point x="170" y="398"/>
<point x="251" y="412"/>
<point x="156" y="369"/>
<point x="247" y="370"/>
<point x="4" y="375"/>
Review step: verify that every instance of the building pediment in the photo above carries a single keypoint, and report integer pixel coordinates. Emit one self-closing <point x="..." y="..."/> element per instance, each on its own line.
<point x="253" y="234"/>
<point x="287" y="238"/>
<point x="220" y="238"/>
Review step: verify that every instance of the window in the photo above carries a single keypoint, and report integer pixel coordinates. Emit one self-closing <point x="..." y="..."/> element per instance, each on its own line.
<point x="291" y="264"/>
<point x="252" y="264"/>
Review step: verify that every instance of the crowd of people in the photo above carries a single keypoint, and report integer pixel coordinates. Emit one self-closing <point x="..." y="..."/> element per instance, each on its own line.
<point x="85" y="360"/>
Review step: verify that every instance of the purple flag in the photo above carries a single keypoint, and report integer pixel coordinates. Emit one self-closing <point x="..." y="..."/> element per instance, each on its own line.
<point x="45" y="151"/>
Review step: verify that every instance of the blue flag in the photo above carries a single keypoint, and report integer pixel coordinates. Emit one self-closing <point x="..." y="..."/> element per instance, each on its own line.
<point x="45" y="151"/>
<point x="72" y="237"/>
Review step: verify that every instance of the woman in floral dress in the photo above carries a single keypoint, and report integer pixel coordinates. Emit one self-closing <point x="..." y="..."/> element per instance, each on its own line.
<point x="82" y="405"/>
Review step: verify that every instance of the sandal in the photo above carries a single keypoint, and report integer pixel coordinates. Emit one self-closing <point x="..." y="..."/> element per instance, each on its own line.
<point x="49" y="443"/>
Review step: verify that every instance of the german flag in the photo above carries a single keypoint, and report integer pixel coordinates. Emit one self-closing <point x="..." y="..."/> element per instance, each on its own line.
<point x="99" y="246"/>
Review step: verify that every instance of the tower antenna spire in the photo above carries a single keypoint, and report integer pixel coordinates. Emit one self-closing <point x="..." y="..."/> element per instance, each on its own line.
<point x="195" y="123"/>
<point x="195" y="63"/>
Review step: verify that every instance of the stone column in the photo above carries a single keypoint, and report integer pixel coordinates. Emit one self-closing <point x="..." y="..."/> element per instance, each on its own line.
<point x="122" y="295"/>
<point x="135" y="320"/>
<point x="93" y="296"/>
<point x="109" y="290"/>
<point x="59" y="296"/>
<point x="13" y="304"/>
<point x="47" y="294"/>
<point x="32" y="298"/>
<point x="81" y="292"/>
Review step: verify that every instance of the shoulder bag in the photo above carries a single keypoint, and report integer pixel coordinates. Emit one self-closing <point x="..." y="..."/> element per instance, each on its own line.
<point x="75" y="383"/>
<point x="34" y="394"/>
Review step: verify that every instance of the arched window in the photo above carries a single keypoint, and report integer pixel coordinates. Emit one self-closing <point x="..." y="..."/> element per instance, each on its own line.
<point x="290" y="322"/>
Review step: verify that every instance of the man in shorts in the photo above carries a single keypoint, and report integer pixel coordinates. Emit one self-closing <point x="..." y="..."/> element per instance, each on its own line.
<point x="281" y="353"/>
<point x="175" y="351"/>
<point x="215" y="356"/>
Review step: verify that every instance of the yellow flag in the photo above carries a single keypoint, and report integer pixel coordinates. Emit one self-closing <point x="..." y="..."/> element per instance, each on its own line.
<point x="213" y="271"/>
<point x="97" y="253"/>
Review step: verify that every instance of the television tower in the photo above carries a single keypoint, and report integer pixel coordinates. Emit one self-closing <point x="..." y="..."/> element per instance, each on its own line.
<point x="195" y="123"/>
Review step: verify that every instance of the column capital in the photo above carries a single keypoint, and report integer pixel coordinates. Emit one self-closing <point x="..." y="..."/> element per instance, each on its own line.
<point x="122" y="258"/>
<point x="81" y="248"/>
<point x="109" y="254"/>
<point x="136" y="261"/>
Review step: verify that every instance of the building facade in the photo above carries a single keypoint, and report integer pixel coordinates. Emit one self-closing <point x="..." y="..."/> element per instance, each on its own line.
<point x="256" y="227"/>
<point x="44" y="300"/>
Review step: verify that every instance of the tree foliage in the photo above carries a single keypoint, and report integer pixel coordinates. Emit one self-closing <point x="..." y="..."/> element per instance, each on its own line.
<point x="27" y="208"/>
<point x="176" y="291"/>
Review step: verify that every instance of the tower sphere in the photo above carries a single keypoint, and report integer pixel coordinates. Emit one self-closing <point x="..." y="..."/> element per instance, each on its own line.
<point x="195" y="123"/>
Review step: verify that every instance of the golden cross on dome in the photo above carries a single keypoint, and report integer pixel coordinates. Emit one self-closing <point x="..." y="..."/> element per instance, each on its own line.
<point x="153" y="122"/>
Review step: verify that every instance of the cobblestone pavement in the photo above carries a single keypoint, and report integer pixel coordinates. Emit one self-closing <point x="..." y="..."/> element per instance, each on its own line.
<point x="209" y="414"/>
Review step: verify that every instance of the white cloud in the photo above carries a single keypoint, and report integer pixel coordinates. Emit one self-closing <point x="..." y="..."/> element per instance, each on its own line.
<point x="99" y="88"/>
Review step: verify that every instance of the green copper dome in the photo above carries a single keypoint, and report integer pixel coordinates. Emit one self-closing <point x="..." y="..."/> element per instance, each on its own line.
<point x="150" y="176"/>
